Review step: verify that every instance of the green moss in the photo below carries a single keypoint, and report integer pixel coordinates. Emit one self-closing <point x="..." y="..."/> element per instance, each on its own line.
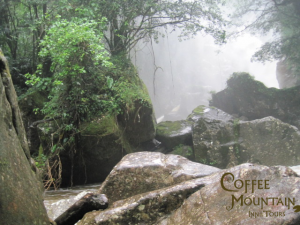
<point x="183" y="150"/>
<point x="101" y="127"/>
<point x="3" y="162"/>
<point x="199" y="110"/>
<point x="105" y="126"/>
<point x="171" y="127"/>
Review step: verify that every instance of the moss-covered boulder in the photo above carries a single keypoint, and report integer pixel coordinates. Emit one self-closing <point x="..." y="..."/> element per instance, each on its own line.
<point x="102" y="147"/>
<point x="127" y="125"/>
<point x="147" y="171"/>
<point x="138" y="125"/>
<point x="21" y="199"/>
<point x="247" y="97"/>
<point x="174" y="133"/>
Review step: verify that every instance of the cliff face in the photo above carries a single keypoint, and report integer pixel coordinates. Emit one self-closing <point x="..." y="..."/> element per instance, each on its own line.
<point x="21" y="199"/>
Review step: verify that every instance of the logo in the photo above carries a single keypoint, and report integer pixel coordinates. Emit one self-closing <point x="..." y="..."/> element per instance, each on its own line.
<point x="249" y="196"/>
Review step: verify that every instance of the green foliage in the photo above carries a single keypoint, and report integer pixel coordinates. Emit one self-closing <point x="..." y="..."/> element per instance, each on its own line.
<point x="129" y="21"/>
<point x="40" y="161"/>
<point x="77" y="57"/>
<point x="281" y="18"/>
<point x="183" y="150"/>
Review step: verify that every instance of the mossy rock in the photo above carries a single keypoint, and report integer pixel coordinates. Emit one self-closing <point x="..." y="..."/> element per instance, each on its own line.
<point x="247" y="97"/>
<point x="185" y="151"/>
<point x="174" y="133"/>
<point x="101" y="127"/>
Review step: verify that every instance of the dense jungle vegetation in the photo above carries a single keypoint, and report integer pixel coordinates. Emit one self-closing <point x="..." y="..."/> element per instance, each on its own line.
<point x="77" y="52"/>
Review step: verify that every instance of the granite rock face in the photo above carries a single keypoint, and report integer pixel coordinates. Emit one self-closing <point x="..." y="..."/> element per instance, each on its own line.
<point x="21" y="199"/>
<point x="147" y="171"/>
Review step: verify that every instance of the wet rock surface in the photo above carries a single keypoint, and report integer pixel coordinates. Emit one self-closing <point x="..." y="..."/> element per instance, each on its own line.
<point x="89" y="202"/>
<point x="147" y="171"/>
<point x="56" y="209"/>
<point x="145" y="208"/>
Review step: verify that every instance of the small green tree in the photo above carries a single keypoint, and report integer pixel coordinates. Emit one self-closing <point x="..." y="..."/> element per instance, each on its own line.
<point x="77" y="58"/>
<point x="78" y="84"/>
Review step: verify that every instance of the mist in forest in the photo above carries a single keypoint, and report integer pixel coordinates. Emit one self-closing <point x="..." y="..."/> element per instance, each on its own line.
<point x="181" y="75"/>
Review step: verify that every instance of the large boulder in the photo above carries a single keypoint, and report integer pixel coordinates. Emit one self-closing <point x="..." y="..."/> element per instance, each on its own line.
<point x="268" y="196"/>
<point x="224" y="141"/>
<point x="147" y="171"/>
<point x="21" y="199"/>
<point x="102" y="147"/>
<point x="174" y="133"/>
<point x="247" y="97"/>
<point x="214" y="136"/>
<point x="269" y="142"/>
<point x="246" y="194"/>
<point x="104" y="141"/>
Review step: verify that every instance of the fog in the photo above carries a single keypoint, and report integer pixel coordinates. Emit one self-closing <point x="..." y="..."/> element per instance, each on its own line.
<point x="180" y="75"/>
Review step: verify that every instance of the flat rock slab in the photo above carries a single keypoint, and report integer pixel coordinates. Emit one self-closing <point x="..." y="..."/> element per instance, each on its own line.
<point x="142" y="172"/>
<point x="145" y="208"/>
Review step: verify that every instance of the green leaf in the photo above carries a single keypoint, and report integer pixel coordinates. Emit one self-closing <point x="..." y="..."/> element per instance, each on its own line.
<point x="53" y="148"/>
